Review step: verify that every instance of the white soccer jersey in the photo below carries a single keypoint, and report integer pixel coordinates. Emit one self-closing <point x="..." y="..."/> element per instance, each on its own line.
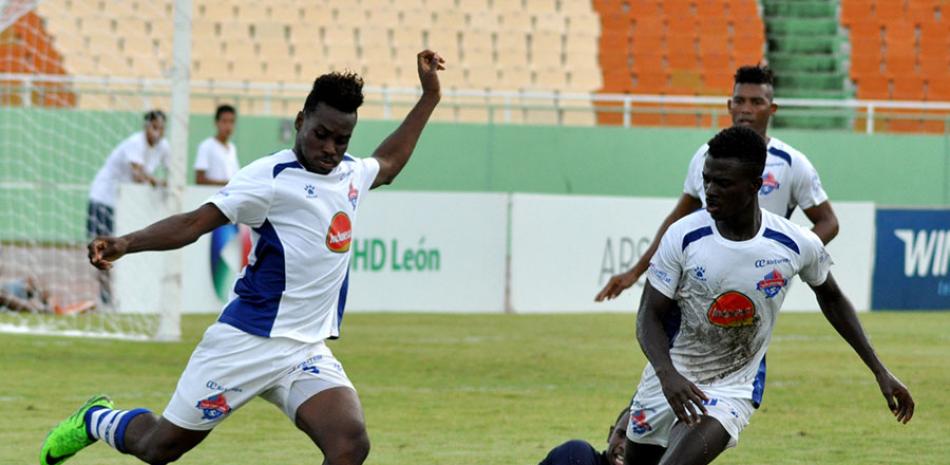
<point x="118" y="167"/>
<point x="295" y="283"/>
<point x="219" y="161"/>
<point x="788" y="181"/>
<point x="729" y="294"/>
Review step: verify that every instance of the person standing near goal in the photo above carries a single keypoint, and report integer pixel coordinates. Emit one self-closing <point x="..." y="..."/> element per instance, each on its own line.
<point x="269" y="339"/>
<point x="134" y="160"/>
<point x="217" y="159"/>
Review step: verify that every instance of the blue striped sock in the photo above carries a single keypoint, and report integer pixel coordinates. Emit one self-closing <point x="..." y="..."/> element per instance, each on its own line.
<point x="110" y="425"/>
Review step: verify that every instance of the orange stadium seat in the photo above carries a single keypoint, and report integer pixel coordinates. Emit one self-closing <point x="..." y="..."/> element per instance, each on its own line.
<point x="863" y="65"/>
<point x="935" y="68"/>
<point x="921" y="12"/>
<point x="938" y="90"/>
<point x="887" y="10"/>
<point x="648" y="60"/>
<point x="908" y="87"/>
<point x="651" y="82"/>
<point x="873" y="88"/>
<point x="900" y="64"/>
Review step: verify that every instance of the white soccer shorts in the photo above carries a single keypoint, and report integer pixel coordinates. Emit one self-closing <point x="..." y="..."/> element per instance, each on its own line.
<point x="230" y="367"/>
<point x="652" y="419"/>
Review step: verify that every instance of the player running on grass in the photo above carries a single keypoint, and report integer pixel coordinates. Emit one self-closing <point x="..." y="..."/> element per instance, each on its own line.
<point x="269" y="340"/>
<point x="723" y="273"/>
<point x="789" y="180"/>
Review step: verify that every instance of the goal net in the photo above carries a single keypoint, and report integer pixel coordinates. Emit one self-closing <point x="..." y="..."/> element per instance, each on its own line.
<point x="76" y="78"/>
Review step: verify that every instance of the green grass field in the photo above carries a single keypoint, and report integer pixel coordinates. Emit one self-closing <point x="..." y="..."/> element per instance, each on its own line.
<point x="504" y="389"/>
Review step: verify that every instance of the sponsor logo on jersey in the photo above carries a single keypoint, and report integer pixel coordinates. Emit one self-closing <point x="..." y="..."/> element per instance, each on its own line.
<point x="772" y="284"/>
<point x="660" y="274"/>
<point x="213" y="407"/>
<point x="769" y="184"/>
<point x="353" y="195"/>
<point x="638" y="421"/>
<point x="764" y="262"/>
<point x="340" y="233"/>
<point x="732" y="309"/>
<point x="311" y="191"/>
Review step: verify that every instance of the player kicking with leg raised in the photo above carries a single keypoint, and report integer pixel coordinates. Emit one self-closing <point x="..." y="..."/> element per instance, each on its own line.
<point x="269" y="339"/>
<point x="727" y="269"/>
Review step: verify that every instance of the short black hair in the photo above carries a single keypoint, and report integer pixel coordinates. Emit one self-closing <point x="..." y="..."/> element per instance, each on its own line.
<point x="153" y="115"/>
<point x="621" y="414"/>
<point x="222" y="109"/>
<point x="343" y="91"/>
<point x="740" y="143"/>
<point x="758" y="74"/>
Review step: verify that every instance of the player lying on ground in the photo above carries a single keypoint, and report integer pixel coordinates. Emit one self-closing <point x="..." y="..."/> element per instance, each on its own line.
<point x="578" y="452"/>
<point x="269" y="339"/>
<point x="727" y="269"/>
<point x="27" y="295"/>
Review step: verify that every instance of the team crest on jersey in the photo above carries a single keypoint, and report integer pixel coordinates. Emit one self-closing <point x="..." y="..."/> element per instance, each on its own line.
<point x="772" y="284"/>
<point x="213" y="407"/>
<point x="732" y="309"/>
<point x="769" y="184"/>
<point x="340" y="233"/>
<point x="353" y="195"/>
<point x="311" y="191"/>
<point x="638" y="421"/>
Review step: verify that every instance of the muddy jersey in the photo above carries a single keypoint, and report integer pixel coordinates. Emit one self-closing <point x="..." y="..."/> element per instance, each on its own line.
<point x="729" y="293"/>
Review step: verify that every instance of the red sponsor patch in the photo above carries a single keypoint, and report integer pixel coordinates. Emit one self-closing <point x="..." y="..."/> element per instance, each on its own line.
<point x="340" y="233"/>
<point x="731" y="309"/>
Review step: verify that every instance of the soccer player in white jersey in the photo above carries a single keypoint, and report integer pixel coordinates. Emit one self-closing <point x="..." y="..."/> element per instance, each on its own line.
<point x="713" y="292"/>
<point x="789" y="179"/>
<point x="269" y="340"/>
<point x="217" y="159"/>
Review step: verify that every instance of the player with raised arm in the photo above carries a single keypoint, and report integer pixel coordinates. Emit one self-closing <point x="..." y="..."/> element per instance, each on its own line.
<point x="789" y="180"/>
<point x="713" y="292"/>
<point x="269" y="339"/>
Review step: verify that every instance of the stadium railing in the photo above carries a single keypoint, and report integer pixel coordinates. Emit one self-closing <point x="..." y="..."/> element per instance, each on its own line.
<point x="282" y="99"/>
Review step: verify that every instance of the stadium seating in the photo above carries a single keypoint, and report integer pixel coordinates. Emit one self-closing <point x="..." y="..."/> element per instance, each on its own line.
<point x="27" y="48"/>
<point x="505" y="45"/>
<point x="900" y="51"/>
<point x="675" y="47"/>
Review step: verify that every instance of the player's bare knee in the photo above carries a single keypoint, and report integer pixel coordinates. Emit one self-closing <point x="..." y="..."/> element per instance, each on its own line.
<point x="351" y="450"/>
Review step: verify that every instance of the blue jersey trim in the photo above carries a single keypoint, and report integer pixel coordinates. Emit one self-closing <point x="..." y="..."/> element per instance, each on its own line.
<point x="696" y="235"/>
<point x="781" y="239"/>
<point x="341" y="303"/>
<point x="282" y="166"/>
<point x="758" y="385"/>
<point x="781" y="154"/>
<point x="348" y="158"/>
<point x="260" y="289"/>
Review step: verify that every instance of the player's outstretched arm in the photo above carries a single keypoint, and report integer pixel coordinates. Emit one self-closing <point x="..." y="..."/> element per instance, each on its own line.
<point x="171" y="233"/>
<point x="840" y="313"/>
<point x="621" y="282"/>
<point x="824" y="221"/>
<point x="684" y="397"/>
<point x="393" y="153"/>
